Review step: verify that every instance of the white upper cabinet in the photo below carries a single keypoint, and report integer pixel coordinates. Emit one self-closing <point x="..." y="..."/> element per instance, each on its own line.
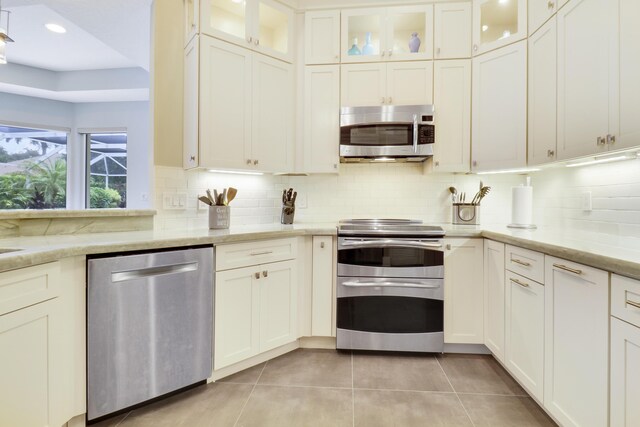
<point x="452" y="99"/>
<point x="584" y="74"/>
<point x="322" y="37"/>
<point x="540" y="11"/>
<point x="191" y="82"/>
<point x="499" y="109"/>
<point x="321" y="118"/>
<point x="628" y="134"/>
<point x="262" y="25"/>
<point x="497" y="23"/>
<point x="394" y="83"/>
<point x="452" y="30"/>
<point x="387" y="34"/>
<point x="542" y="94"/>
<point x="191" y="19"/>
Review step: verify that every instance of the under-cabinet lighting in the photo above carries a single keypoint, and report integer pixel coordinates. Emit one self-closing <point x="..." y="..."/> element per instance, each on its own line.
<point x="508" y="171"/>
<point x="55" y="28"/>
<point x="235" y="172"/>
<point x="601" y="159"/>
<point x="384" y="159"/>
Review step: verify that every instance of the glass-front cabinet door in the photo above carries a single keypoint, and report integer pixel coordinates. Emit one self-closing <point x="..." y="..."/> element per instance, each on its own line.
<point x="497" y="23"/>
<point x="409" y="33"/>
<point x="262" y="25"/>
<point x="363" y="35"/>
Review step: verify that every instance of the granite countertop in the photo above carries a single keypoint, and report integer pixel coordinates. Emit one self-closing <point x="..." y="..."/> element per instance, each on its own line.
<point x="618" y="254"/>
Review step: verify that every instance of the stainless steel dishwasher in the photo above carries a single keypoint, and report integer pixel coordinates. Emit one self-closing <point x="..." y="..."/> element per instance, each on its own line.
<point x="149" y="326"/>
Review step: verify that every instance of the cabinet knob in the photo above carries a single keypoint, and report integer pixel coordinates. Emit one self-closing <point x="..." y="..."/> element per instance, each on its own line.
<point x="335" y="166"/>
<point x="438" y="51"/>
<point x="475" y="47"/>
<point x="448" y="247"/>
<point x="192" y="158"/>
<point x="249" y="39"/>
<point x="551" y="153"/>
<point x="248" y="161"/>
<point x="436" y="164"/>
<point x="601" y="140"/>
<point x="390" y="100"/>
<point x="321" y="245"/>
<point x="265" y="273"/>
<point x="255" y="162"/>
<point x="474" y="163"/>
<point x="611" y="139"/>
<point x="383" y="99"/>
<point x="390" y="52"/>
<point x="257" y="42"/>
<point x="383" y="52"/>
<point x="257" y="275"/>
<point x="550" y="5"/>
<point x="337" y="57"/>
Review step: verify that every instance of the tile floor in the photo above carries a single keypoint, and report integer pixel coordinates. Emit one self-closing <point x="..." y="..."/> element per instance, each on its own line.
<point x="330" y="388"/>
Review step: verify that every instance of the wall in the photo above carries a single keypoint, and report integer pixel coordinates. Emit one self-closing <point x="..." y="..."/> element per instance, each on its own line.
<point x="366" y="190"/>
<point x="132" y="116"/>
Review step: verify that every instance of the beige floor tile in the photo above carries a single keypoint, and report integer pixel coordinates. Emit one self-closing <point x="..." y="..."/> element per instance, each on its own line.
<point x="408" y="408"/>
<point x="211" y="405"/>
<point x="398" y="372"/>
<point x="507" y="411"/>
<point x="478" y="374"/>
<point x="111" y="422"/>
<point x="276" y="406"/>
<point x="306" y="367"/>
<point x="248" y="376"/>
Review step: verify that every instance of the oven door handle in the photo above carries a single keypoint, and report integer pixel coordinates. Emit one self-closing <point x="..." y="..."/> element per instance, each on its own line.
<point x="388" y="284"/>
<point x="388" y="243"/>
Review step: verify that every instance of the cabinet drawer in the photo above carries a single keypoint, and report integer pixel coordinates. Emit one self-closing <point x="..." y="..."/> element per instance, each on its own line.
<point x="524" y="262"/>
<point x="253" y="253"/>
<point x="28" y="286"/>
<point x="625" y="299"/>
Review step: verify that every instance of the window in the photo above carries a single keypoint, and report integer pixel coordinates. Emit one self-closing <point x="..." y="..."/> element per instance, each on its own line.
<point x="106" y="170"/>
<point x="33" y="168"/>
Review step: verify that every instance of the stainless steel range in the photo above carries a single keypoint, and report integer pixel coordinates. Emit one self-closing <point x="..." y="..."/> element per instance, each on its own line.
<point x="390" y="285"/>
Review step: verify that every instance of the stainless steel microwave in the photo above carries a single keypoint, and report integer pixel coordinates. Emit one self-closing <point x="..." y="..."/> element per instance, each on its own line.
<point x="386" y="133"/>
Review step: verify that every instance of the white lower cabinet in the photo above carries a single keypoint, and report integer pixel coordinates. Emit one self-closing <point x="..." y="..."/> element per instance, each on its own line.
<point x="524" y="337"/>
<point x="576" y="361"/>
<point x="463" y="291"/>
<point x="323" y="275"/>
<point x="494" y="298"/>
<point x="625" y="374"/>
<point x="255" y="311"/>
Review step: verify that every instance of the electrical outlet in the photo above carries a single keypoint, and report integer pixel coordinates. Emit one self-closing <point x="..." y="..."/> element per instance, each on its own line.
<point x="586" y="201"/>
<point x="174" y="201"/>
<point x="202" y="206"/>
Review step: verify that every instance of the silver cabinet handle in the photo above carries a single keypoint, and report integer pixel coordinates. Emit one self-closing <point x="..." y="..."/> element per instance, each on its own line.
<point x="601" y="140"/>
<point x="248" y="161"/>
<point x="517" y="261"/>
<point x="518" y="282"/>
<point x="390" y="100"/>
<point x="193" y="158"/>
<point x="551" y="153"/>
<point x="321" y="245"/>
<point x="383" y="100"/>
<point x="611" y="139"/>
<point x="257" y="275"/>
<point x="122" y="276"/>
<point x="265" y="273"/>
<point x="438" y="50"/>
<point x="633" y="303"/>
<point x="249" y="39"/>
<point x="474" y="163"/>
<point x="475" y="47"/>
<point x="550" y="5"/>
<point x="260" y="253"/>
<point x="383" y="52"/>
<point x="569" y="269"/>
<point x="255" y="162"/>
<point x="387" y="284"/>
<point x="436" y="163"/>
<point x="448" y="247"/>
<point x="257" y="42"/>
<point x="390" y="52"/>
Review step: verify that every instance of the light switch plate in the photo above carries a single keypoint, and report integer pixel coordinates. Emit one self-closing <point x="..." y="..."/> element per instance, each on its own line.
<point x="586" y="201"/>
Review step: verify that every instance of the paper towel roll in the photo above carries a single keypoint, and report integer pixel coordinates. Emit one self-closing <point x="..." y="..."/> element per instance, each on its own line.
<point x="522" y="205"/>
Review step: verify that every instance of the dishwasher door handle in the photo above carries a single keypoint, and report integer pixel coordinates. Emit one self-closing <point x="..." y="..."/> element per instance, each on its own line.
<point x="142" y="273"/>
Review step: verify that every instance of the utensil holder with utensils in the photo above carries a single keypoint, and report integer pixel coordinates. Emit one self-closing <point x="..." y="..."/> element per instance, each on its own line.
<point x="466" y="213"/>
<point x="219" y="217"/>
<point x="288" y="206"/>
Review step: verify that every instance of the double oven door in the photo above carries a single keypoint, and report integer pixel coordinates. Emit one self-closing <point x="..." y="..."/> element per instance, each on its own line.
<point x="390" y="294"/>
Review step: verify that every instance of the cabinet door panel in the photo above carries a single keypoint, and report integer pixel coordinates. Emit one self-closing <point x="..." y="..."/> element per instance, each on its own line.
<point x="322" y="286"/>
<point x="410" y="83"/>
<point x="494" y="298"/>
<point x="225" y="104"/>
<point x="322" y="37"/>
<point x="576" y="343"/>
<point x="272" y="119"/>
<point x="236" y="320"/>
<point x="452" y="31"/>
<point x="274" y="30"/>
<point x="497" y="23"/>
<point x="452" y="99"/>
<point x="230" y="21"/>
<point x="191" y="86"/>
<point x="402" y="23"/>
<point x="499" y="109"/>
<point x="542" y="94"/>
<point x="278" y="298"/>
<point x="625" y="374"/>
<point x="524" y="338"/>
<point x="322" y="119"/>
<point x="463" y="289"/>
<point x="363" y="85"/>
<point x="583" y="77"/>
<point x="629" y="69"/>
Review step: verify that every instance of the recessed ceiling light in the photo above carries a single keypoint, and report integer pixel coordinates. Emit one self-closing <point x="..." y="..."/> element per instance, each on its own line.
<point x="55" y="28"/>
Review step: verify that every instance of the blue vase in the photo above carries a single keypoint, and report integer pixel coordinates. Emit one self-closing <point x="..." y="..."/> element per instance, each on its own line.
<point x="355" y="50"/>
<point x="368" y="48"/>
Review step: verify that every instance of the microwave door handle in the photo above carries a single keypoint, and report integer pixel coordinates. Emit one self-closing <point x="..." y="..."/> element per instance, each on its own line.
<point x="387" y="284"/>
<point x="415" y="133"/>
<point x="391" y="243"/>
